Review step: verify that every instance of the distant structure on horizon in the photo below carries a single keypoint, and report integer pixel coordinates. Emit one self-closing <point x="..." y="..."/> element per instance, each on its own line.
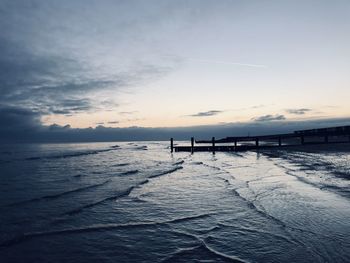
<point x="339" y="134"/>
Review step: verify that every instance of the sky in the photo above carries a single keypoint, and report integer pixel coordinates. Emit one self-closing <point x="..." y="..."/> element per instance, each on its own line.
<point x="87" y="65"/>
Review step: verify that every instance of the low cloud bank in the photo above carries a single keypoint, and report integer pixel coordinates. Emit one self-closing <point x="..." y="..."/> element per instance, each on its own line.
<point x="20" y="125"/>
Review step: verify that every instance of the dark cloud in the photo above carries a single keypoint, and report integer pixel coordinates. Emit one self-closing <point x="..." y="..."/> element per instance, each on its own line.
<point x="301" y="111"/>
<point x="60" y="86"/>
<point x="41" y="70"/>
<point x="19" y="124"/>
<point x="12" y="119"/>
<point x="206" y="113"/>
<point x="41" y="82"/>
<point x="269" y="117"/>
<point x="56" y="127"/>
<point x="67" y="106"/>
<point x="113" y="122"/>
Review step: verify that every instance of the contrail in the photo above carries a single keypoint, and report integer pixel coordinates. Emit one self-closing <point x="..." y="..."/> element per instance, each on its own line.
<point x="227" y="63"/>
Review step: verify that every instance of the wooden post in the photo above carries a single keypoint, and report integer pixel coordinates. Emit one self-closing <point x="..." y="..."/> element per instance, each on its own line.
<point x="213" y="142"/>
<point x="280" y="141"/>
<point x="192" y="145"/>
<point x="236" y="145"/>
<point x="171" y="145"/>
<point x="257" y="142"/>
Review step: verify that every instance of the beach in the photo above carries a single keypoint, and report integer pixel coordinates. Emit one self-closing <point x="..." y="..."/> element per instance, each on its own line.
<point x="137" y="202"/>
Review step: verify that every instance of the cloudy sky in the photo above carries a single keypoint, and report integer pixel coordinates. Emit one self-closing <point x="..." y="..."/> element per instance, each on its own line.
<point x="165" y="63"/>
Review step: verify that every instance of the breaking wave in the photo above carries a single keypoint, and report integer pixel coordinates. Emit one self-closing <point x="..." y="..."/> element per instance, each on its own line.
<point x="54" y="196"/>
<point x="166" y="172"/>
<point x="97" y="227"/>
<point x="69" y="155"/>
<point x="129" y="172"/>
<point x="114" y="197"/>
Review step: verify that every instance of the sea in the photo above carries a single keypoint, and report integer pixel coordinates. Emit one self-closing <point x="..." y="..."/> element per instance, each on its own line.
<point x="137" y="202"/>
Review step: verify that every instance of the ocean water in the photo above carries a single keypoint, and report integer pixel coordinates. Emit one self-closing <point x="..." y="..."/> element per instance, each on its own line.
<point x="136" y="202"/>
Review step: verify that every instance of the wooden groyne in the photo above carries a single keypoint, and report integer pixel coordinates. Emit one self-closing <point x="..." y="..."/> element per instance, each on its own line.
<point x="329" y="135"/>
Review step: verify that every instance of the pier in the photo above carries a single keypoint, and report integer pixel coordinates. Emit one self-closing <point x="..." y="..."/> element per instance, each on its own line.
<point x="330" y="135"/>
